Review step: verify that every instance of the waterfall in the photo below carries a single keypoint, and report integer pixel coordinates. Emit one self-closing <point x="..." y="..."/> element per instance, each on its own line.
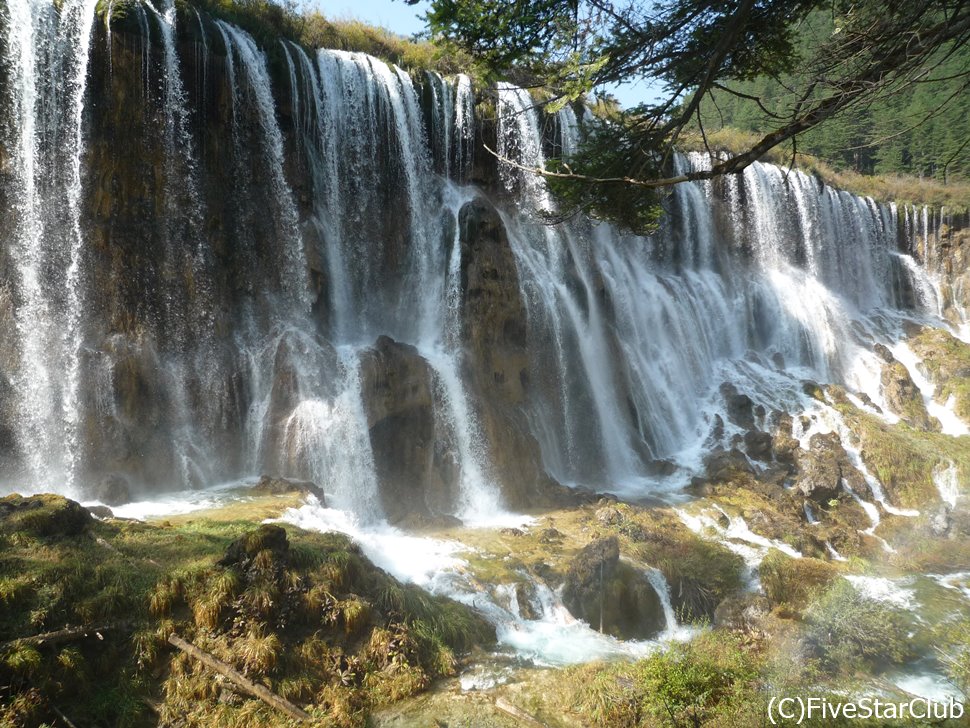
<point x="242" y="48"/>
<point x="464" y="126"/>
<point x="48" y="54"/>
<point x="660" y="585"/>
<point x="273" y="243"/>
<point x="946" y="480"/>
<point x="767" y="261"/>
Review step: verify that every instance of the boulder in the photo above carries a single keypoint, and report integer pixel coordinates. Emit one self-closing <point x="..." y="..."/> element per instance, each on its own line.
<point x="274" y="485"/>
<point x="415" y="468"/>
<point x="496" y="363"/>
<point x="112" y="490"/>
<point x="44" y="516"/>
<point x="905" y="399"/>
<point x="611" y="595"/>
<point x="757" y="445"/>
<point x="723" y="465"/>
<point x="882" y="351"/>
<point x="739" y="407"/>
<point x="101" y="512"/>
<point x="820" y="467"/>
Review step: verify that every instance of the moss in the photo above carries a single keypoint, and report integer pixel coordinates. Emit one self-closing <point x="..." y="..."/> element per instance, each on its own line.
<point x="947" y="362"/>
<point x="794" y="583"/>
<point x="304" y="619"/>
<point x="904" y="459"/>
<point x="851" y="632"/>
<point x="45" y="516"/>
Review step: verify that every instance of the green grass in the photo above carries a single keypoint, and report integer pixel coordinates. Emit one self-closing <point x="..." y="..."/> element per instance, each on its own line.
<point x="316" y="621"/>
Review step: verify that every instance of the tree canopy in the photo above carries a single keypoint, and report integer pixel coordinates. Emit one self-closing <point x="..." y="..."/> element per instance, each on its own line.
<point x="703" y="52"/>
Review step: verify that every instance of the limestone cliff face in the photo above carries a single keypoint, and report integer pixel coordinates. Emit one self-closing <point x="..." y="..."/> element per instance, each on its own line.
<point x="496" y="361"/>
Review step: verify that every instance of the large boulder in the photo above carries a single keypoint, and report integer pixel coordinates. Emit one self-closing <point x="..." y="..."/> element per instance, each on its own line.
<point x="725" y="465"/>
<point x="822" y="467"/>
<point x="611" y="595"/>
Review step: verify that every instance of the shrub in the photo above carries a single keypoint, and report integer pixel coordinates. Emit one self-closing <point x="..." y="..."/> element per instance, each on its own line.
<point x="793" y="582"/>
<point x="850" y="631"/>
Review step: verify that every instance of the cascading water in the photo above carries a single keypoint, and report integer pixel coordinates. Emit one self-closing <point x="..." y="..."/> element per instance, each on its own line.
<point x="254" y="324"/>
<point x="642" y="331"/>
<point x="48" y="54"/>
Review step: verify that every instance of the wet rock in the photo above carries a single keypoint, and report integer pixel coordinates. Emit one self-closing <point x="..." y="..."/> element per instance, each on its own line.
<point x="722" y="465"/>
<point x="45" y="516"/>
<point x="610" y="595"/>
<point x="413" y="465"/>
<point x="757" y="445"/>
<point x="662" y="468"/>
<point x="740" y="407"/>
<point x="101" y="512"/>
<point x="904" y="397"/>
<point x="273" y="485"/>
<point x="867" y="401"/>
<point x="525" y="598"/>
<point x="882" y="351"/>
<point x="778" y="360"/>
<point x="514" y="532"/>
<point x="717" y="429"/>
<point x="496" y="362"/>
<point x="941" y="522"/>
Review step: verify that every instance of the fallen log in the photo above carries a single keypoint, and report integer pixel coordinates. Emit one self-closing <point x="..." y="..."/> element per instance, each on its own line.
<point x="238" y="679"/>
<point x="68" y="634"/>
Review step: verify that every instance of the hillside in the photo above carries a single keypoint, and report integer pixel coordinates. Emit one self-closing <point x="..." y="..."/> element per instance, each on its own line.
<point x="922" y="131"/>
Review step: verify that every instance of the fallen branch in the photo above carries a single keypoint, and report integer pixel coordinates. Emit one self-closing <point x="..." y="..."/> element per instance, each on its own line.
<point x="506" y="707"/>
<point x="67" y="721"/>
<point x="68" y="634"/>
<point x="238" y="679"/>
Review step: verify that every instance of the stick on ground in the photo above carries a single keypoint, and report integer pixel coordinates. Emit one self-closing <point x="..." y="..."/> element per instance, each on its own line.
<point x="238" y="679"/>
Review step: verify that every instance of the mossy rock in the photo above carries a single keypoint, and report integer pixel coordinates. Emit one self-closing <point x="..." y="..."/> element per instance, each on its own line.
<point x="947" y="362"/>
<point x="794" y="583"/>
<point x="43" y="516"/>
<point x="904" y="398"/>
<point x="265" y="538"/>
<point x="611" y="595"/>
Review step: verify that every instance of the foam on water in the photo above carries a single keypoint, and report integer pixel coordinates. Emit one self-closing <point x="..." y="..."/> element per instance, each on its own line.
<point x="888" y="591"/>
